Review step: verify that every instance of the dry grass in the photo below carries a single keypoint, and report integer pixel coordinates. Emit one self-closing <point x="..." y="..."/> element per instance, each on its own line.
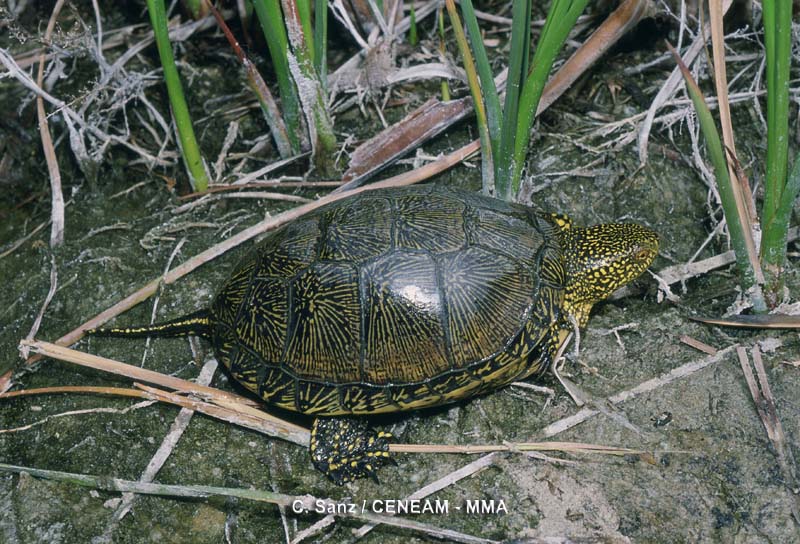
<point x="768" y="412"/>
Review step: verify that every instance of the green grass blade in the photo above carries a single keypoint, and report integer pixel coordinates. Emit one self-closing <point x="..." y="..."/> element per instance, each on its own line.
<point x="517" y="71"/>
<point x="180" y="111"/>
<point x="196" y="8"/>
<point x="270" y="17"/>
<point x="777" y="19"/>
<point x="776" y="227"/>
<point x="304" y="11"/>
<point x="768" y="20"/>
<point x="790" y="192"/>
<point x="445" y="84"/>
<point x="268" y="106"/>
<point x="560" y="19"/>
<point x="413" y="39"/>
<point x="491" y="98"/>
<point x="321" y="40"/>
<point x="312" y="94"/>
<point x="487" y="163"/>
<point x="717" y="156"/>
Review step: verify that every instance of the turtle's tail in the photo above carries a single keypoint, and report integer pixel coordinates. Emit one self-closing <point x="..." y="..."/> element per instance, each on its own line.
<point x="194" y="324"/>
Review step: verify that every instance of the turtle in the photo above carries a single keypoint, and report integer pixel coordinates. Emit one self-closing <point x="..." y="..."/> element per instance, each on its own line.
<point x="401" y="299"/>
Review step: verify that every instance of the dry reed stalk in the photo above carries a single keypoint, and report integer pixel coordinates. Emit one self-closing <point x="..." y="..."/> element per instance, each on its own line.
<point x="56" y="194"/>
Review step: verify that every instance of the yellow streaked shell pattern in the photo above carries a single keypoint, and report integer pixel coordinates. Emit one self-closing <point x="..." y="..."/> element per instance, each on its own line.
<point x="393" y="300"/>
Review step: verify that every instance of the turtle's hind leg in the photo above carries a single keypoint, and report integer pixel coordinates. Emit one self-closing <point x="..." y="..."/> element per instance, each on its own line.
<point x="345" y="449"/>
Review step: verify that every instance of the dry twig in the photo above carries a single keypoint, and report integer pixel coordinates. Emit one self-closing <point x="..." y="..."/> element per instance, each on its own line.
<point x="179" y="425"/>
<point x="13" y="247"/>
<point x="426" y="491"/>
<point x="263" y="185"/>
<point x="21" y="76"/>
<point x="669" y="87"/>
<point x="100" y="410"/>
<point x="682" y="272"/>
<point x="56" y="194"/>
<point x="768" y="412"/>
<point x="698" y="345"/>
<point x="241" y="411"/>
<point x="645" y="387"/>
<point x="427" y="120"/>
<point x="306" y="502"/>
<point x="741" y="187"/>
<point x="38" y="321"/>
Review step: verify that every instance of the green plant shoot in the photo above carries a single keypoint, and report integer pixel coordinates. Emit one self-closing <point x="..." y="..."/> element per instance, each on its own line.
<point x="487" y="162"/>
<point x="270" y="17"/>
<point x="440" y="22"/>
<point x="413" y="39"/>
<point x="192" y="157"/>
<point x="509" y="128"/>
<point x="780" y="190"/>
<point x="724" y="183"/>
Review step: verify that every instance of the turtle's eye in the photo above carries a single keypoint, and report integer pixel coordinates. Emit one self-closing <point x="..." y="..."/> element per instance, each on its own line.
<point x="643" y="254"/>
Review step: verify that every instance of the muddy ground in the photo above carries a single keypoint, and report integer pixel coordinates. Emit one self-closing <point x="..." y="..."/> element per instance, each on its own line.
<point x="713" y="475"/>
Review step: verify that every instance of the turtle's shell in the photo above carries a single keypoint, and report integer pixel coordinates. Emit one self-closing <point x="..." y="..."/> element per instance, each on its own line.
<point x="392" y="300"/>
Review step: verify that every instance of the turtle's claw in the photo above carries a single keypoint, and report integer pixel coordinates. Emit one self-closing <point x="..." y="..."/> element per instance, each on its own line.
<point x="347" y="449"/>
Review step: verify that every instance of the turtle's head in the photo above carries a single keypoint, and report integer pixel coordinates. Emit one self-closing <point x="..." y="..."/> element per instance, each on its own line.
<point x="601" y="259"/>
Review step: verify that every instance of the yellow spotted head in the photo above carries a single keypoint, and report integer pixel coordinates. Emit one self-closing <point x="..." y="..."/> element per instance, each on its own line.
<point x="601" y="259"/>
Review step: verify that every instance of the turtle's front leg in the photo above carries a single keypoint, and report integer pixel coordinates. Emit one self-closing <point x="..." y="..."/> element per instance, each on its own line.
<point x="345" y="449"/>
